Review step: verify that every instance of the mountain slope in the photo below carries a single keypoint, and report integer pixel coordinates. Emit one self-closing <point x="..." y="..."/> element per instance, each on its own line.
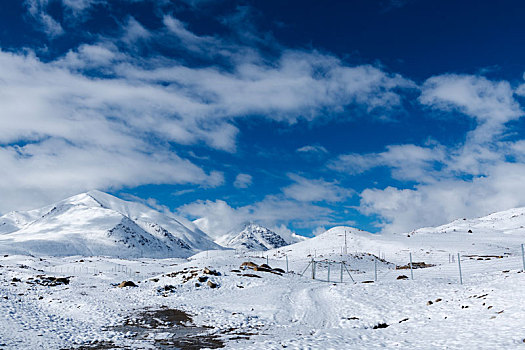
<point x="95" y="223"/>
<point x="252" y="237"/>
<point x="500" y="233"/>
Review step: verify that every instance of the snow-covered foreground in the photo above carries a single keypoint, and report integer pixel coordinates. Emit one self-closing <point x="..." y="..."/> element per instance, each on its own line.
<point x="270" y="312"/>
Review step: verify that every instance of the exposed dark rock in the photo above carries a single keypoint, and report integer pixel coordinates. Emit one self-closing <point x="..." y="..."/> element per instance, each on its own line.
<point x="415" y="265"/>
<point x="248" y="265"/>
<point x="127" y="284"/>
<point x="209" y="271"/>
<point x="380" y="325"/>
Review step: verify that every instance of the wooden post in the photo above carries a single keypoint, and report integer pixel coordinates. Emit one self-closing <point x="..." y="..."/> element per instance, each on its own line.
<point x="328" y="271"/>
<point x="460" y="275"/>
<point x="411" y="271"/>
<point x="523" y="256"/>
<point x="375" y="270"/>
<point x="286" y="263"/>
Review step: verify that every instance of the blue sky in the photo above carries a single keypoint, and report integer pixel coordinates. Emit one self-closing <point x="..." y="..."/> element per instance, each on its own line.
<point x="384" y="115"/>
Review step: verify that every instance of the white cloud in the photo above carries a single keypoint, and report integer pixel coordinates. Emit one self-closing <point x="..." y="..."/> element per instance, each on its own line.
<point x="83" y="133"/>
<point x="38" y="10"/>
<point x="191" y="41"/>
<point x="407" y="162"/>
<point x="474" y="178"/>
<point x="218" y="218"/>
<point x="103" y="117"/>
<point x="312" y="149"/>
<point x="319" y="230"/>
<point x="297" y="85"/>
<point x="134" y="31"/>
<point x="402" y="210"/>
<point x="491" y="103"/>
<point x="242" y="181"/>
<point x="316" y="190"/>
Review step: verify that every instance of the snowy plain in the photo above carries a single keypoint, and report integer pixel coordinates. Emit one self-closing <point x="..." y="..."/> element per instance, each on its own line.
<point x="268" y="309"/>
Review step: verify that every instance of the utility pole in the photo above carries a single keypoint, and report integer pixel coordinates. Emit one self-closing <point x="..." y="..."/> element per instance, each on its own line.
<point x="346" y="247"/>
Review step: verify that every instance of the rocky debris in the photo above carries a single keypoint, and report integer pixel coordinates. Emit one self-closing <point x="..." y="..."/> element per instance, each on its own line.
<point x="402" y="277"/>
<point x="430" y="302"/>
<point x="48" y="281"/>
<point x="211" y="284"/>
<point x="251" y="275"/>
<point x="248" y="265"/>
<point x="169" y="329"/>
<point x="209" y="271"/>
<point x="380" y="325"/>
<point x="261" y="268"/>
<point x="166" y="290"/>
<point x="192" y="274"/>
<point x="484" y="257"/>
<point x="415" y="265"/>
<point x="127" y="284"/>
<point x="16" y="279"/>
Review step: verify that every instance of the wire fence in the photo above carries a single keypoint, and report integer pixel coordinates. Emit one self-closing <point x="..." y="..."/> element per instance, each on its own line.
<point x="333" y="266"/>
<point x="116" y="270"/>
<point x="337" y="266"/>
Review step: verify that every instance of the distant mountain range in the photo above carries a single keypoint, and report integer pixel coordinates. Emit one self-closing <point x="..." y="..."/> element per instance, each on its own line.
<point x="96" y="223"/>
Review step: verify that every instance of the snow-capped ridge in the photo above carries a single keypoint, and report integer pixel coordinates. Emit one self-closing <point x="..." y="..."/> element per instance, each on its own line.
<point x="252" y="237"/>
<point x="96" y="223"/>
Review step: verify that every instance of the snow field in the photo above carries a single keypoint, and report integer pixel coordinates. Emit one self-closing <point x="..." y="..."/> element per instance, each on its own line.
<point x="288" y="310"/>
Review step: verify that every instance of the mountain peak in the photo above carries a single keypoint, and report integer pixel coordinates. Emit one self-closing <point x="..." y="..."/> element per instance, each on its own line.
<point x="253" y="237"/>
<point x="97" y="223"/>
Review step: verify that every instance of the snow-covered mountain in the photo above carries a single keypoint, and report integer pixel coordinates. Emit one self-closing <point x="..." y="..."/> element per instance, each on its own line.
<point x="498" y="233"/>
<point x="252" y="237"/>
<point x="96" y="223"/>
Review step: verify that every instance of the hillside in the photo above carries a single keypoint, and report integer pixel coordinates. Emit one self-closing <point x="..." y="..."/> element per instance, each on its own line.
<point x="252" y="237"/>
<point x="96" y="223"/>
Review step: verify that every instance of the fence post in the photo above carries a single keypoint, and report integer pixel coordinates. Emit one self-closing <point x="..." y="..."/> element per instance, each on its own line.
<point x="460" y="275"/>
<point x="523" y="256"/>
<point x="306" y="268"/>
<point x="349" y="274"/>
<point x="267" y="260"/>
<point x="341" y="272"/>
<point x="411" y="271"/>
<point x="375" y="270"/>
<point x="313" y="269"/>
<point x="328" y="271"/>
<point x="286" y="263"/>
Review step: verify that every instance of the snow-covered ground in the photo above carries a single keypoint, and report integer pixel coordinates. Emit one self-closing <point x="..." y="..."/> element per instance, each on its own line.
<point x="271" y="312"/>
<point x="207" y="300"/>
